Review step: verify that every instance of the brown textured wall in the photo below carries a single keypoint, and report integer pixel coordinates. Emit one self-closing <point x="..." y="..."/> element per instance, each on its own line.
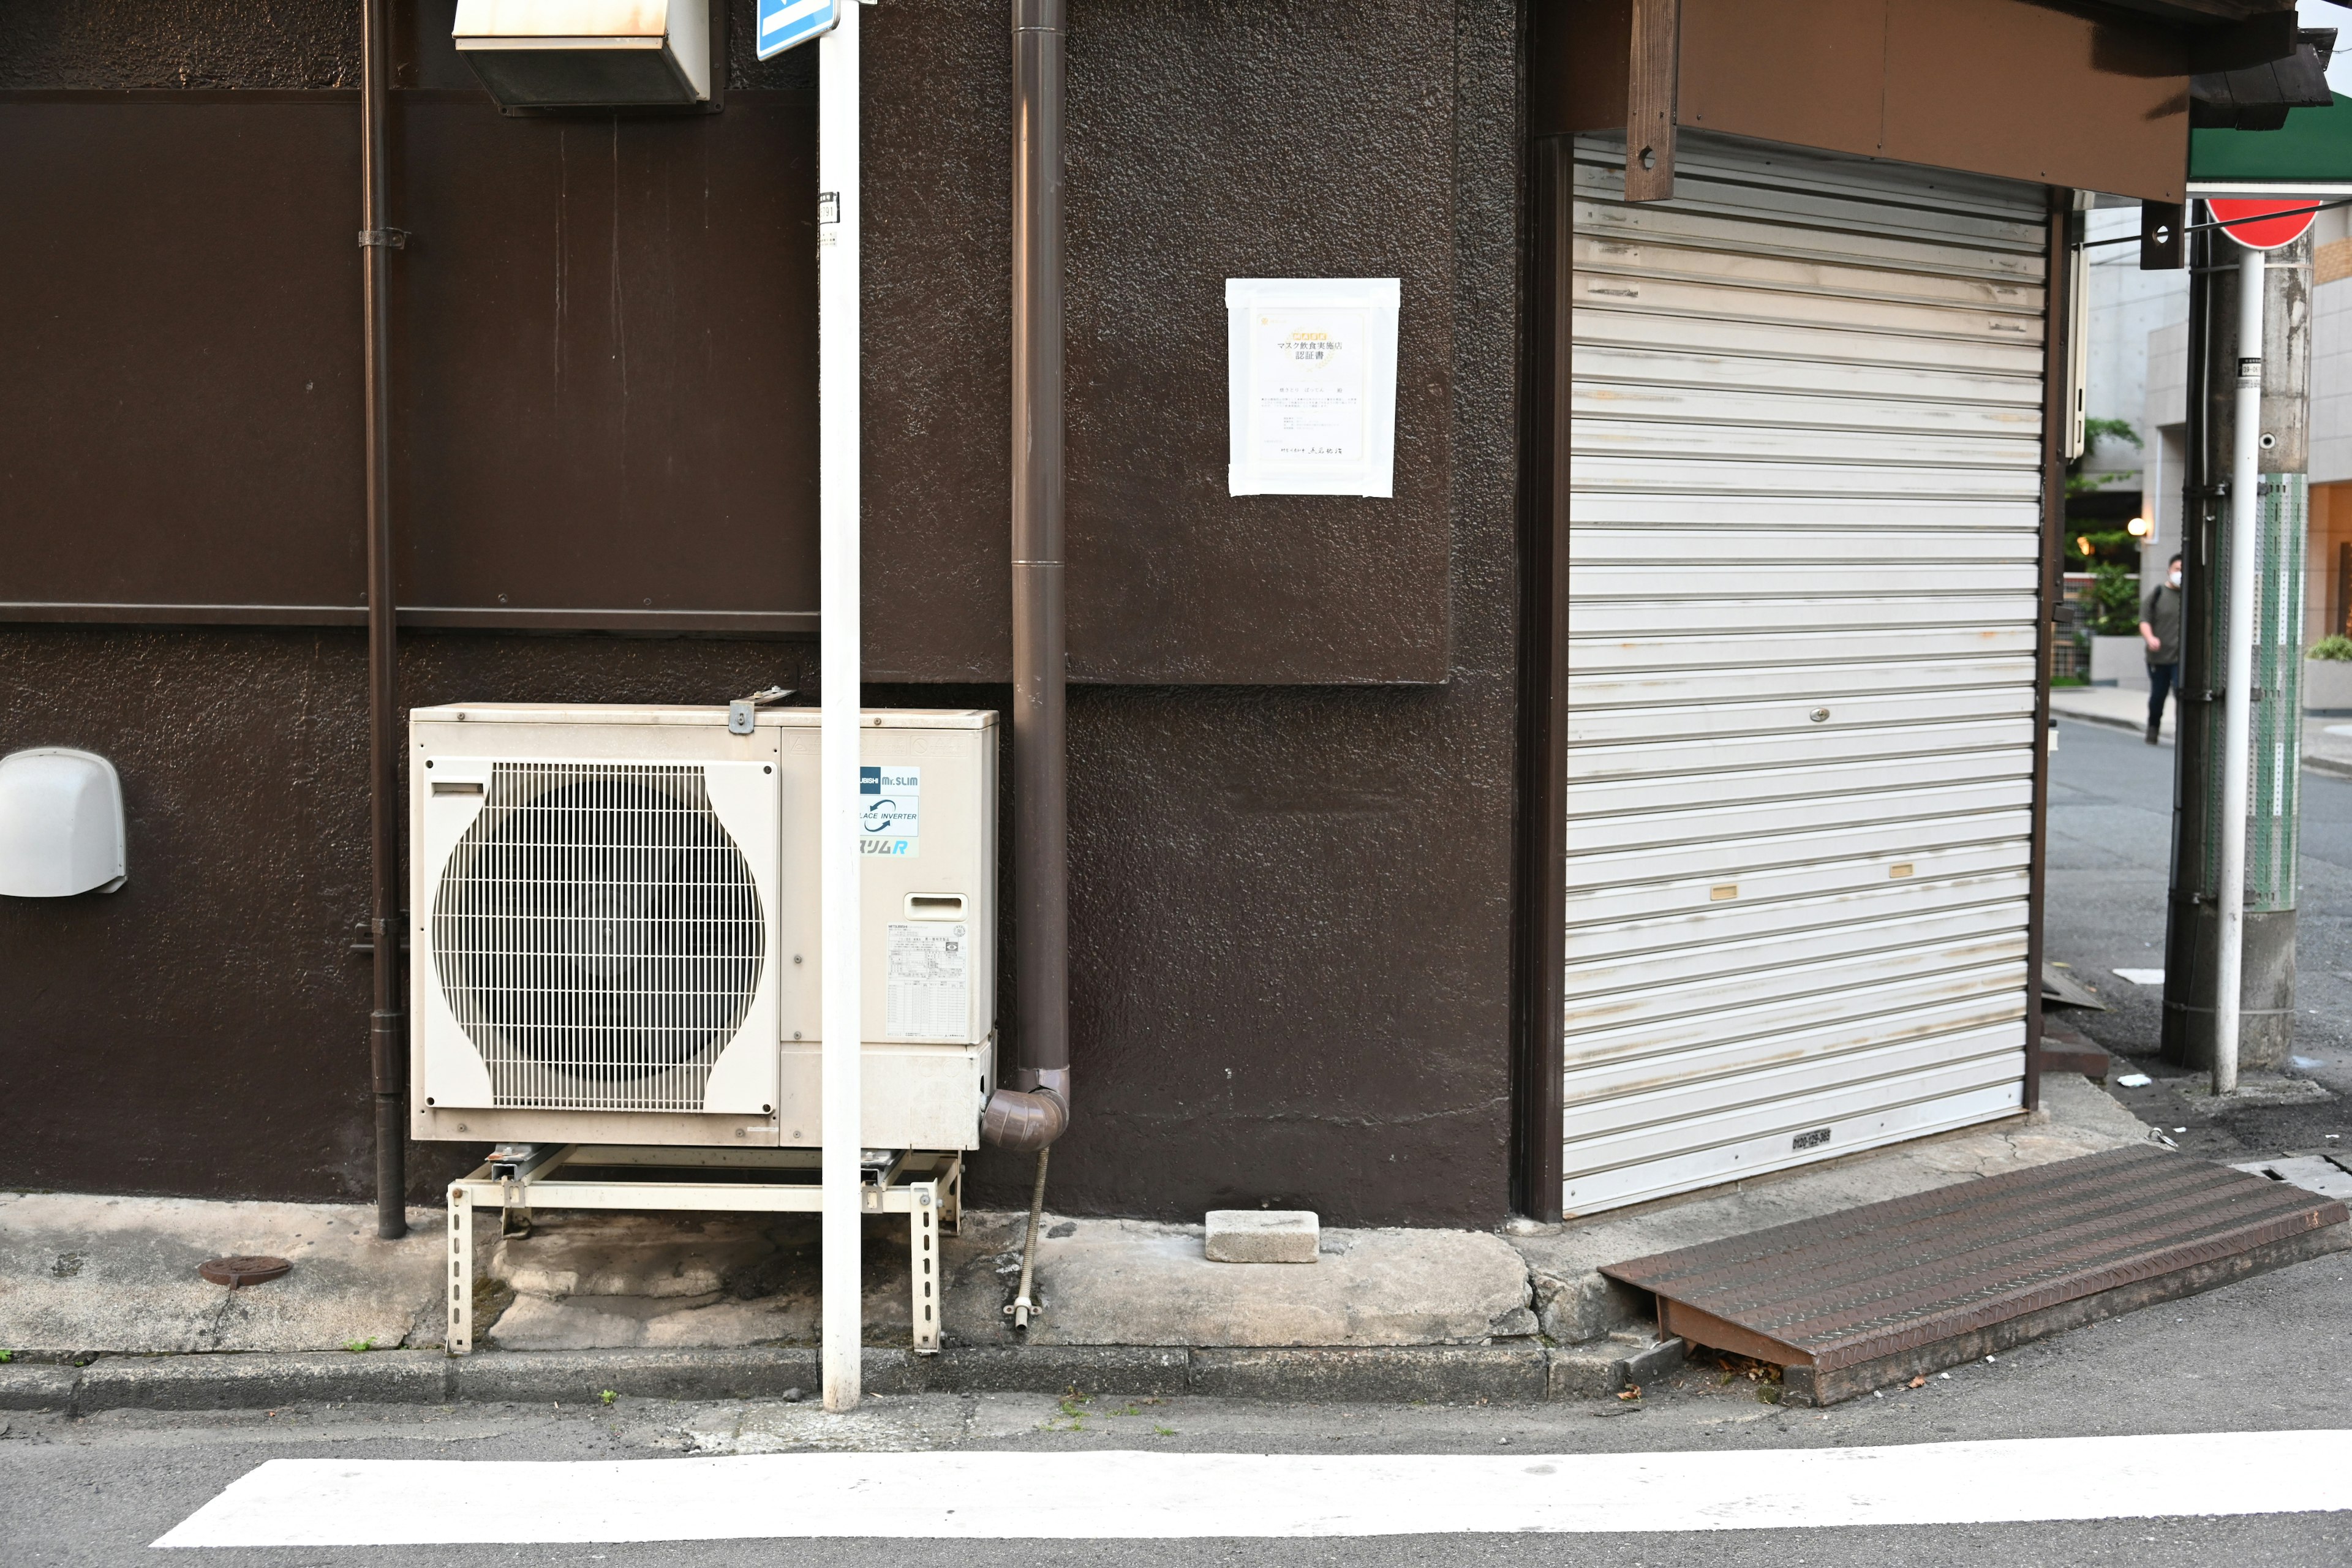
<point x="1204" y="142"/>
<point x="204" y="1030"/>
<point x="1290" y="904"/>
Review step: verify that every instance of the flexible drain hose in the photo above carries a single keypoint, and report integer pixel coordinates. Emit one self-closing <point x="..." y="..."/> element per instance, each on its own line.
<point x="1023" y="1306"/>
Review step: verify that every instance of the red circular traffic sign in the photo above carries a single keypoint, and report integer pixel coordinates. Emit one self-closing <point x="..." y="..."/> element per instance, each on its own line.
<point x="2263" y="223"/>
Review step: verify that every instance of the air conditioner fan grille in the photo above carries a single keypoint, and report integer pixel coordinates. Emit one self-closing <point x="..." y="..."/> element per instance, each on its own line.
<point x="598" y="936"/>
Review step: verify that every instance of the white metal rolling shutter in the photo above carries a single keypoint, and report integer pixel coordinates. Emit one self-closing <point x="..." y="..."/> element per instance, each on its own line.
<point x="1803" y="532"/>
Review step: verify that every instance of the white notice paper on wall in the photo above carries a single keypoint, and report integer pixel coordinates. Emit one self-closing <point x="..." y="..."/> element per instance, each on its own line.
<point x="1312" y="366"/>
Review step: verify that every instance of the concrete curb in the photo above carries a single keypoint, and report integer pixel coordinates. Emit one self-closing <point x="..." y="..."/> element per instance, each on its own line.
<point x="1454" y="1374"/>
<point x="2329" y="765"/>
<point x="2342" y="770"/>
<point x="2102" y="722"/>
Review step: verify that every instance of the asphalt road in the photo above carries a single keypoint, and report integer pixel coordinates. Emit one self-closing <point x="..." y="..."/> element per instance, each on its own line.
<point x="2273" y="1354"/>
<point x="2110" y="857"/>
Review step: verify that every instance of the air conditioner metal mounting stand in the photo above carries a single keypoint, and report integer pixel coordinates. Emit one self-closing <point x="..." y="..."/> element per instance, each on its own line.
<point x="926" y="1187"/>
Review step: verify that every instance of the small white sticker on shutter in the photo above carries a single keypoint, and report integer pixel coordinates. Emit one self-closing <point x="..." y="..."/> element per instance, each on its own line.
<point x="929" y="993"/>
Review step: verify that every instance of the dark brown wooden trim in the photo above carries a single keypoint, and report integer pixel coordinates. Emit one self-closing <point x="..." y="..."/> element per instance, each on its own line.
<point x="1540" y="875"/>
<point x="1652" y="79"/>
<point x="744" y="623"/>
<point x="2049" y="594"/>
<point x="758" y="623"/>
<point x="193" y="96"/>
<point x="45" y="613"/>
<point x="321" y="96"/>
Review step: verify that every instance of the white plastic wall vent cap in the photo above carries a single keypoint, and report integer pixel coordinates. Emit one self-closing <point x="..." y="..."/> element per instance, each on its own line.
<point x="587" y="53"/>
<point x="60" y="823"/>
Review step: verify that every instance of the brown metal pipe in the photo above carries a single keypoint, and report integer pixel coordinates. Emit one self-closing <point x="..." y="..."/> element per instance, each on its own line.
<point x="1034" y="1107"/>
<point x="387" y="1040"/>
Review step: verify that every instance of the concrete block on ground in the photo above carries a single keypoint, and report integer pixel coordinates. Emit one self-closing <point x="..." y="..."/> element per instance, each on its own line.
<point x="1439" y="1375"/>
<point x="1653" y="1361"/>
<point x="252" y="1382"/>
<point x="2066" y="1050"/>
<point x="1135" y="1283"/>
<point x="118" y="1275"/>
<point x="1261" y="1235"/>
<point x="38" y="1387"/>
<point x="1604" y="1366"/>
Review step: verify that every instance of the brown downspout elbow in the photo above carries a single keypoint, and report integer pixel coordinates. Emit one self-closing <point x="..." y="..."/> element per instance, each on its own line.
<point x="1025" y="1121"/>
<point x="1034" y="1107"/>
<point x="387" y="1036"/>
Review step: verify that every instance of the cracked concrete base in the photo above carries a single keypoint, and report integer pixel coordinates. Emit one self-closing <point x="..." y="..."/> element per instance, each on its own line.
<point x="119" y="1274"/>
<point x="81" y="1273"/>
<point x="609" y="1282"/>
<point x="1575" y="1303"/>
<point x="626" y="1281"/>
<point x="1132" y="1282"/>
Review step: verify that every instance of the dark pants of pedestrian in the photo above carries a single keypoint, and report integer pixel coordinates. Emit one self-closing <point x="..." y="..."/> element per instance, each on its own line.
<point x="2160" y="679"/>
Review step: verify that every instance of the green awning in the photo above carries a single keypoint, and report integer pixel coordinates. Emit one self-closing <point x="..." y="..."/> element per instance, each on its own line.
<point x="2313" y="150"/>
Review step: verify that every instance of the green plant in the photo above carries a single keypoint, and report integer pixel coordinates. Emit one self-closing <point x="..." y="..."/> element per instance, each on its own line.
<point x="2339" y="646"/>
<point x="357" y="1346"/>
<point x="1074" y="1411"/>
<point x="2098" y="430"/>
<point x="2087" y="548"/>
<point x="6" y="1356"/>
<point x="2115" y="601"/>
<point x="608" y="1396"/>
<point x="2093" y="432"/>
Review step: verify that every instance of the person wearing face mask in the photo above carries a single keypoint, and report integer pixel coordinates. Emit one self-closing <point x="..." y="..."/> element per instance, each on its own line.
<point x="2159" y="627"/>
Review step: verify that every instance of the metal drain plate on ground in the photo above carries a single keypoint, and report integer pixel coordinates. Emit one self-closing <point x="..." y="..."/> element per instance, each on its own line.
<point x="1853" y="1301"/>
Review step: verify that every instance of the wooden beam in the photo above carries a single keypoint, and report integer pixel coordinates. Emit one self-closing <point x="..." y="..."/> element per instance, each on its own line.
<point x="1653" y="63"/>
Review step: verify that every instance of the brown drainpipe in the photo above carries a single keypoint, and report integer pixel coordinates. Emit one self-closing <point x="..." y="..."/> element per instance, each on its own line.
<point x="1034" y="1107"/>
<point x="386" y="1038"/>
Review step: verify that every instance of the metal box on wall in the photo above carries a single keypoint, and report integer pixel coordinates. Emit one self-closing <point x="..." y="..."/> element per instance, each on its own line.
<point x="575" y="54"/>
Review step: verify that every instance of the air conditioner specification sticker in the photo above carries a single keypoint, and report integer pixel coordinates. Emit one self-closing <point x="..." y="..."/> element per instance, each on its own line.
<point x="890" y="811"/>
<point x="928" y="995"/>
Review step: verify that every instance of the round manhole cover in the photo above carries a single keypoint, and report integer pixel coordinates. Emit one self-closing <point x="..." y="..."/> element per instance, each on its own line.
<point x="242" y="1270"/>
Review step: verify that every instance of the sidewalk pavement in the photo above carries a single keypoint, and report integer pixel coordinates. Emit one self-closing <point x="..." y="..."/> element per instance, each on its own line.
<point x="2327" y="743"/>
<point x="100" y="1302"/>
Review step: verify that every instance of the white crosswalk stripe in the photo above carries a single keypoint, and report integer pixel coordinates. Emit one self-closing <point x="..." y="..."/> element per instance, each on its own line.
<point x="1132" y="1495"/>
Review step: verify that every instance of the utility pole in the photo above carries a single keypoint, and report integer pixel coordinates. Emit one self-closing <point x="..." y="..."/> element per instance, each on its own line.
<point x="840" y="657"/>
<point x="2196" y="1031"/>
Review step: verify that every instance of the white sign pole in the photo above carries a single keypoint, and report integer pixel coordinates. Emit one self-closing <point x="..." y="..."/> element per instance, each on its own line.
<point x="2237" y="716"/>
<point x="838" y="655"/>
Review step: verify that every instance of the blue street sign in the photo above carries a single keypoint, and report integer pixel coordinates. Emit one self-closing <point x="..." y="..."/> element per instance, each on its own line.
<point x="785" y="23"/>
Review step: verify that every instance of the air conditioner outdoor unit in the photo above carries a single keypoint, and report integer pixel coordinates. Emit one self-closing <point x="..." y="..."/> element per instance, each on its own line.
<point x="614" y="934"/>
